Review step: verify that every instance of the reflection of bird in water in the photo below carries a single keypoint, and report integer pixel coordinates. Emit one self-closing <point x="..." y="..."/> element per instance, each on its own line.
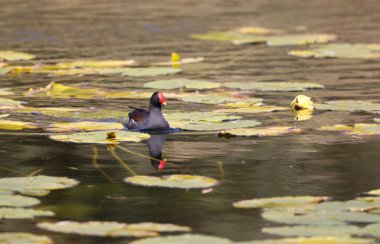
<point x="155" y="144"/>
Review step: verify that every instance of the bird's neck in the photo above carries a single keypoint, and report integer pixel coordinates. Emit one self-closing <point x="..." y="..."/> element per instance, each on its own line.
<point x="154" y="109"/>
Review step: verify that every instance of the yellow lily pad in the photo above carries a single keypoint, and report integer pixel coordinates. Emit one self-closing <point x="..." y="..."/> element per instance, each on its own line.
<point x="15" y="125"/>
<point x="149" y="226"/>
<point x="95" y="228"/>
<point x="227" y="36"/>
<point x="340" y="50"/>
<point x="22" y="213"/>
<point x="182" y="83"/>
<point x="19" y="238"/>
<point x="173" y="181"/>
<point x="261" y="132"/>
<point x="14" y="56"/>
<point x="95" y="64"/>
<point x="17" y="201"/>
<point x="273" y="86"/>
<point x="184" y="239"/>
<point x="84" y="126"/>
<point x="348" y="105"/>
<point x="258" y="30"/>
<point x="101" y="137"/>
<point x="33" y="184"/>
<point x="274" y="202"/>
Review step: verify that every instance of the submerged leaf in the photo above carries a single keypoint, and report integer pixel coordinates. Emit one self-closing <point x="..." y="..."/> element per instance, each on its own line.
<point x="340" y="50"/>
<point x="273" y="86"/>
<point x="182" y="83"/>
<point x="173" y="181"/>
<point x="17" y="201"/>
<point x="23" y="238"/>
<point x="184" y="239"/>
<point x="101" y="137"/>
<point x="95" y="228"/>
<point x="13" y="56"/>
<point x="279" y="202"/>
<point x="22" y="213"/>
<point x="84" y="126"/>
<point x="259" y="132"/>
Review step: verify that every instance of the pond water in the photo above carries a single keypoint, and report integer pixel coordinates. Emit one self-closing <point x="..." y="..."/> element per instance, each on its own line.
<point x="311" y="163"/>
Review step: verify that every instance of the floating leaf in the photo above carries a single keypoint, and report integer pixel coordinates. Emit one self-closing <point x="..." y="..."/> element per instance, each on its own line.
<point x="22" y="213"/>
<point x="84" y="126"/>
<point x="337" y="230"/>
<point x="184" y="239"/>
<point x="258" y="30"/>
<point x="340" y="50"/>
<point x="347" y="105"/>
<point x="289" y="40"/>
<point x="228" y="36"/>
<point x="180" y="61"/>
<point x="377" y="120"/>
<point x="101" y="137"/>
<point x="4" y="115"/>
<point x="5" y="91"/>
<point x="182" y="83"/>
<point x="199" y="116"/>
<point x="33" y="184"/>
<point x="23" y="238"/>
<point x="15" y="125"/>
<point x="358" y="129"/>
<point x="202" y="126"/>
<point x="158" y="227"/>
<point x="95" y="228"/>
<point x="269" y="131"/>
<point x="279" y="202"/>
<point x="13" y="56"/>
<point x="173" y="181"/>
<point x="216" y="98"/>
<point x="252" y="109"/>
<point x="313" y="240"/>
<point x="152" y="71"/>
<point x="4" y="70"/>
<point x="273" y="86"/>
<point x="17" y="201"/>
<point x="6" y="103"/>
<point x="375" y="192"/>
<point x="96" y="64"/>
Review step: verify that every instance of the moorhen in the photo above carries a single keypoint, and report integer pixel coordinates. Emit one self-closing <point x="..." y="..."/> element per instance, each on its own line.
<point x="142" y="119"/>
<point x="155" y="144"/>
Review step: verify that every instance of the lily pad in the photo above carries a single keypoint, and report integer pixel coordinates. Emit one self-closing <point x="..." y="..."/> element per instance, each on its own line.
<point x="337" y="230"/>
<point x="15" y="125"/>
<point x="173" y="181"/>
<point x="33" y="184"/>
<point x="216" y="98"/>
<point x="5" y="91"/>
<point x="348" y="105"/>
<point x="292" y="40"/>
<point x="313" y="240"/>
<point x="6" y="103"/>
<point x="260" y="132"/>
<point x="96" y="64"/>
<point x="199" y="116"/>
<point x="100" y="137"/>
<point x="184" y="239"/>
<point x="273" y="86"/>
<point x="23" y="238"/>
<point x="208" y="126"/>
<point x="17" y="201"/>
<point x="377" y="120"/>
<point x="152" y="71"/>
<point x="22" y="213"/>
<point x="358" y="129"/>
<point x="182" y="83"/>
<point x="340" y="50"/>
<point x="95" y="228"/>
<point x="158" y="227"/>
<point x="258" y="30"/>
<point x="13" y="56"/>
<point x="252" y="109"/>
<point x="4" y="70"/>
<point x="228" y="36"/>
<point x="84" y="126"/>
<point x="279" y="202"/>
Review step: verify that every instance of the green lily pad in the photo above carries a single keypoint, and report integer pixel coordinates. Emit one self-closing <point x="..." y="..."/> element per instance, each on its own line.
<point x="5" y="91"/>
<point x="279" y="202"/>
<point x="184" y="239"/>
<point x="95" y="228"/>
<point x="199" y="116"/>
<point x="84" y="126"/>
<point x="17" y="201"/>
<point x="23" y="238"/>
<point x="313" y="240"/>
<point x="35" y="184"/>
<point x="377" y="120"/>
<point x="258" y="30"/>
<point x="227" y="36"/>
<point x="260" y="132"/>
<point x="4" y="70"/>
<point x="6" y="103"/>
<point x="22" y="213"/>
<point x="96" y="64"/>
<point x="182" y="83"/>
<point x="367" y="204"/>
<point x="13" y="56"/>
<point x="15" y="125"/>
<point x="337" y="230"/>
<point x="273" y="86"/>
<point x="357" y="129"/>
<point x="158" y="227"/>
<point x="173" y="181"/>
<point x="100" y="137"/>
<point x="216" y="98"/>
<point x="312" y="217"/>
<point x="290" y="40"/>
<point x="4" y="115"/>
<point x="253" y="109"/>
<point x="347" y="105"/>
<point x="152" y="71"/>
<point x="204" y="126"/>
<point x="372" y="230"/>
<point x="340" y="50"/>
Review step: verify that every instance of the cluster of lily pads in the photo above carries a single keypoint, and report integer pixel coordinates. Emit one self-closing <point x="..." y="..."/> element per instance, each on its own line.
<point x="314" y="217"/>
